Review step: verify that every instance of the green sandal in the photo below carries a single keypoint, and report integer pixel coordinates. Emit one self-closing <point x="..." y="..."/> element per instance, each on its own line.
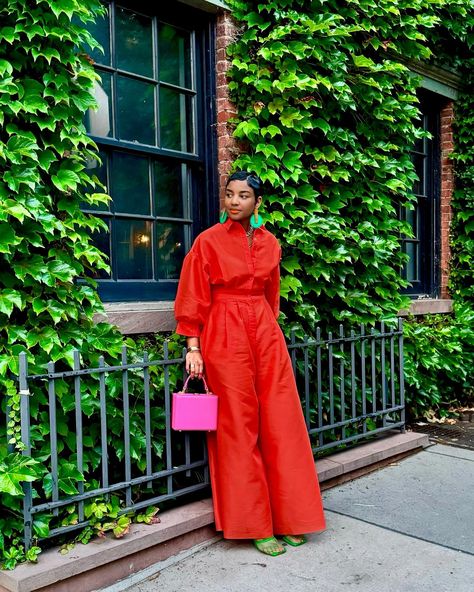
<point x="260" y="545"/>
<point x="293" y="543"/>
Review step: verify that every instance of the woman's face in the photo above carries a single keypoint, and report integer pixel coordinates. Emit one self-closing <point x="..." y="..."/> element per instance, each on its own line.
<point x="240" y="200"/>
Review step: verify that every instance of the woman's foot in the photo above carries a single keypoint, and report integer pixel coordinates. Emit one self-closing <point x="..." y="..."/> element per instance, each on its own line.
<point x="295" y="540"/>
<point x="269" y="546"/>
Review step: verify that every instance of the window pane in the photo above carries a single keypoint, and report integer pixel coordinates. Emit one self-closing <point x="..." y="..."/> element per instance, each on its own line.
<point x="131" y="188"/>
<point x="168" y="190"/>
<point x="99" y="122"/>
<point x="134" y="258"/>
<point x="101" y="32"/>
<point x="421" y="144"/>
<point x="412" y="219"/>
<point x="419" y="162"/>
<point x="174" y="51"/>
<point x="133" y="38"/>
<point x="170" y="250"/>
<point x="411" y="267"/>
<point x="136" y="111"/>
<point x="101" y="240"/>
<point x="94" y="168"/>
<point x="176" y="120"/>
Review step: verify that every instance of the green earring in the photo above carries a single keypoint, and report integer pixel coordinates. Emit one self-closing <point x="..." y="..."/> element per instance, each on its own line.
<point x="223" y="217"/>
<point x="256" y="220"/>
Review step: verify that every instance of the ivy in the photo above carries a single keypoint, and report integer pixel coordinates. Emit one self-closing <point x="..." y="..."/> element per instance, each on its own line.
<point x="48" y="296"/>
<point x="439" y="358"/>
<point x="462" y="243"/>
<point x="330" y="118"/>
<point x="328" y="112"/>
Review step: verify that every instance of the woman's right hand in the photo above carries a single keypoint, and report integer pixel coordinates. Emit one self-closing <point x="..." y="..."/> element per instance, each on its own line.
<point x="194" y="364"/>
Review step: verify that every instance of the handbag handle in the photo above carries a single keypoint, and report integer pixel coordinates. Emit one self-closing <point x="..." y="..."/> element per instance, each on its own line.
<point x="185" y="385"/>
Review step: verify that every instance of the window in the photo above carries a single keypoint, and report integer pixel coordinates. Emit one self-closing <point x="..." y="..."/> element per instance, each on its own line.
<point x="421" y="270"/>
<point x="153" y="131"/>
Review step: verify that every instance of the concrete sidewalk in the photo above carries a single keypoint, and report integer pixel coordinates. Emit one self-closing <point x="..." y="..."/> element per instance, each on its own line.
<point x="407" y="527"/>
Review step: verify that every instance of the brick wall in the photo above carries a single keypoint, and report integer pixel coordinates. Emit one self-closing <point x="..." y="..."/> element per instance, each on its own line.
<point x="447" y="184"/>
<point x="227" y="146"/>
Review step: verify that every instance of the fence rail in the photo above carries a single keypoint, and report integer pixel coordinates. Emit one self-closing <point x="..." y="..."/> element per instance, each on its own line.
<point x="110" y="424"/>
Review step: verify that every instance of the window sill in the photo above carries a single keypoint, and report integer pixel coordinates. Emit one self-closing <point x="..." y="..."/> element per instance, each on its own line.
<point x="153" y="317"/>
<point x="424" y="306"/>
<point x="139" y="317"/>
<point x="206" y="5"/>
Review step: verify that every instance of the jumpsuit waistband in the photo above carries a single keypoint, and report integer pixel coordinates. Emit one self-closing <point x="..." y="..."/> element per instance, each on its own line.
<point x="219" y="294"/>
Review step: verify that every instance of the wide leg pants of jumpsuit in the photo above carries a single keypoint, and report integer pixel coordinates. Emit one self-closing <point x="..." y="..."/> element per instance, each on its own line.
<point x="262" y="469"/>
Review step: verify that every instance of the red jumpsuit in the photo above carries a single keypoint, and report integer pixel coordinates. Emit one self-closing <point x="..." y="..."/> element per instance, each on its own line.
<point x="262" y="469"/>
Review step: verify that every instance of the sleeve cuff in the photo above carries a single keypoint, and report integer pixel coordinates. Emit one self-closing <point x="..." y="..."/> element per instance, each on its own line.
<point x="188" y="329"/>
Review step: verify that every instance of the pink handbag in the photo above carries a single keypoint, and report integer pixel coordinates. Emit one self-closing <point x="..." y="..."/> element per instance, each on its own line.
<point x="194" y="411"/>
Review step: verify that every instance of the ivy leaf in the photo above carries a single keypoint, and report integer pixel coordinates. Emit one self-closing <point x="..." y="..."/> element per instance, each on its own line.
<point x="363" y="62"/>
<point x="45" y="158"/>
<point x="23" y="145"/>
<point x="255" y="19"/>
<point x="16" y="210"/>
<point x="65" y="180"/>
<point x="41" y="526"/>
<point x="48" y="53"/>
<point x="292" y="160"/>
<point x="8" y="238"/>
<point x="289" y="116"/>
<point x="291" y="264"/>
<point x="289" y="284"/>
<point x="5" y="67"/>
<point x="62" y="270"/>
<point x="69" y="476"/>
<point x="15" y="469"/>
<point x="33" y="31"/>
<point x="322" y="125"/>
<point x="395" y="184"/>
<point x="271" y="130"/>
<point x="10" y="299"/>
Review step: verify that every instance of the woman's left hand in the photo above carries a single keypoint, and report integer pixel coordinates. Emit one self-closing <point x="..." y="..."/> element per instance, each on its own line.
<point x="194" y="364"/>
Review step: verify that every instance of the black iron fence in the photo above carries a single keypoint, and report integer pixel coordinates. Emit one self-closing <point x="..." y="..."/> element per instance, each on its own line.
<point x="106" y="430"/>
<point x="352" y="386"/>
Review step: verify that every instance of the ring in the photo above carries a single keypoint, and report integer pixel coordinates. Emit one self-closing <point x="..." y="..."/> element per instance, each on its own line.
<point x="192" y="365"/>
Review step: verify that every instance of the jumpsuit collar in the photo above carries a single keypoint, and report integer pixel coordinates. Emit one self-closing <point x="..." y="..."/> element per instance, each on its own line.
<point x="228" y="224"/>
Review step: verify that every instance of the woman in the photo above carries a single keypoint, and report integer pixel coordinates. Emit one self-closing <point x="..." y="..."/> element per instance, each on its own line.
<point x="262" y="470"/>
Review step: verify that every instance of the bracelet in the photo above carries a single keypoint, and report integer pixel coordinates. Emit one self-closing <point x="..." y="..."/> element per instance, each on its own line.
<point x="193" y="348"/>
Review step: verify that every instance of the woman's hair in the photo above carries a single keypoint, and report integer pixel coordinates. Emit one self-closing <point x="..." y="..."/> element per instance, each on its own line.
<point x="252" y="181"/>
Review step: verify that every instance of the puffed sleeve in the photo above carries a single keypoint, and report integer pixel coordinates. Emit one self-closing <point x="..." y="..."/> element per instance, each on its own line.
<point x="272" y="289"/>
<point x="193" y="298"/>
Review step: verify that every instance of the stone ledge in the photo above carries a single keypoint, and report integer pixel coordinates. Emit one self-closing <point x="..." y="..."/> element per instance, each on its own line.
<point x="104" y="561"/>
<point x="423" y="306"/>
<point x="368" y="453"/>
<point x="139" y="317"/>
<point x="53" y="568"/>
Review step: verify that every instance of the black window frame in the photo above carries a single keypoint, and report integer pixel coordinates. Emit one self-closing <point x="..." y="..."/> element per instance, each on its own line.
<point x="203" y="194"/>
<point x="427" y="280"/>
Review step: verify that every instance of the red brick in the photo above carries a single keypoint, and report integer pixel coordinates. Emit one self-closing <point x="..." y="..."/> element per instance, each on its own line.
<point x="447" y="184"/>
<point x="221" y="54"/>
<point x="221" y="80"/>
<point x="222" y="66"/>
<point x="223" y="116"/>
<point x="227" y="146"/>
<point x="224" y="104"/>
<point x="226" y="141"/>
